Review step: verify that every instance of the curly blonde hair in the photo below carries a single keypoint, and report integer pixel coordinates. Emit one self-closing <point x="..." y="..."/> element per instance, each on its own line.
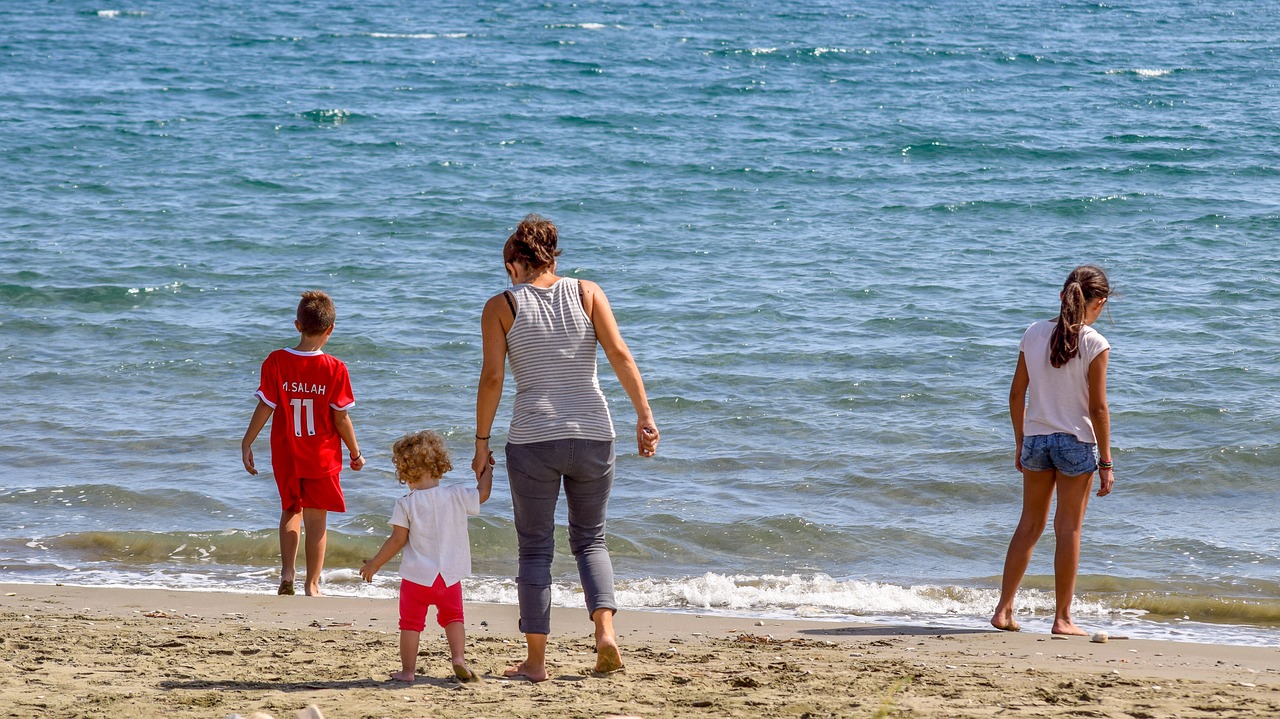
<point x="420" y="455"/>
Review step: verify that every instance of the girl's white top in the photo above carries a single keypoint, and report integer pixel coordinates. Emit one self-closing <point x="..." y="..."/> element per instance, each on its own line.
<point x="552" y="350"/>
<point x="1058" y="397"/>
<point x="437" y="522"/>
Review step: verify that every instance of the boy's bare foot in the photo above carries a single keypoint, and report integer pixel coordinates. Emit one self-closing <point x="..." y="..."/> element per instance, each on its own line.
<point x="464" y="674"/>
<point x="608" y="658"/>
<point x="523" y="671"/>
<point x="1068" y="627"/>
<point x="403" y="676"/>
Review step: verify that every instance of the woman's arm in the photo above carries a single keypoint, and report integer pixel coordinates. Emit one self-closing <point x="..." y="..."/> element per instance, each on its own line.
<point x="390" y="548"/>
<point x="494" y="323"/>
<point x="1018" y="405"/>
<point x="596" y="305"/>
<point x="1101" y="416"/>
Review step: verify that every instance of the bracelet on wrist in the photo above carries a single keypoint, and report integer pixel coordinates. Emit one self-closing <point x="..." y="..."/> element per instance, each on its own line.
<point x="484" y="438"/>
<point x="356" y="456"/>
<point x="1106" y="465"/>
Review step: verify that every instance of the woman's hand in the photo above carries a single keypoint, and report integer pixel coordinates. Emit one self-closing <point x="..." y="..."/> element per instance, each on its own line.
<point x="647" y="437"/>
<point x="483" y="458"/>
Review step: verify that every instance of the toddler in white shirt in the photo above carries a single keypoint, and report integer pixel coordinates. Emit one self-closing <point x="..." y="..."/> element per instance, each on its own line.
<point x="430" y="525"/>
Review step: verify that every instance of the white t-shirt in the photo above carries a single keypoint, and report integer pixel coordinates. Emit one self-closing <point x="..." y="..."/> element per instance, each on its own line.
<point x="437" y="522"/>
<point x="1058" y="397"/>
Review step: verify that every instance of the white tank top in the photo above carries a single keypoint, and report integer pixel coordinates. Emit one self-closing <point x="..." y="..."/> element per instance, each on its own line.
<point x="552" y="350"/>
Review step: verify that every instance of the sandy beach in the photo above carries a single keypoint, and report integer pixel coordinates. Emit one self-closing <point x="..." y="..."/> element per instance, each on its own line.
<point x="92" y="652"/>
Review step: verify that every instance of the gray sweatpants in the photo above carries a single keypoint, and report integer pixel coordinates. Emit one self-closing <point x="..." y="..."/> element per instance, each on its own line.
<point x="535" y="472"/>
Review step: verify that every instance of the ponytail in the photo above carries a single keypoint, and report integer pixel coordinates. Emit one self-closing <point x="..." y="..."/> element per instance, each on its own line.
<point x="1085" y="284"/>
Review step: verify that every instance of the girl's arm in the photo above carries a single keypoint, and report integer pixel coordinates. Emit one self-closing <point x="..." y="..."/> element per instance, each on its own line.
<point x="1101" y="416"/>
<point x="1018" y="405"/>
<point x="494" y="323"/>
<point x="390" y="548"/>
<point x="596" y="305"/>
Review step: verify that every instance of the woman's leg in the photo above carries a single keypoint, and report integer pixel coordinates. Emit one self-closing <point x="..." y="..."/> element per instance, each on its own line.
<point x="533" y="472"/>
<point x="1073" y="498"/>
<point x="587" y="485"/>
<point x="1037" y="496"/>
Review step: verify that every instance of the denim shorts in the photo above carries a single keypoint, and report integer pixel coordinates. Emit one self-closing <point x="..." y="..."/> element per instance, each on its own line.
<point x="1060" y="451"/>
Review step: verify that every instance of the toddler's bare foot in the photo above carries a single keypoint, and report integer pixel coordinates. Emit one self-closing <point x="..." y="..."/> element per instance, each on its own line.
<point x="1066" y="626"/>
<point x="403" y="676"/>
<point x="464" y="674"/>
<point x="608" y="658"/>
<point x="526" y="672"/>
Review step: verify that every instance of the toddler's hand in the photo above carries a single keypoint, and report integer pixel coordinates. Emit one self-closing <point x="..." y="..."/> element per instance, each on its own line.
<point x="368" y="571"/>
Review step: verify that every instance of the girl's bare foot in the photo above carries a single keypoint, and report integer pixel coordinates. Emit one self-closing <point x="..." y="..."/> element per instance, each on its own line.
<point x="1066" y="626"/>
<point x="524" y="671"/>
<point x="608" y="658"/>
<point x="464" y="674"/>
<point x="403" y="676"/>
<point x="1004" y="622"/>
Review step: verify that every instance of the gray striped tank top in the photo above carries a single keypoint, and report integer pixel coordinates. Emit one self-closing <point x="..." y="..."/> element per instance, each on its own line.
<point x="552" y="350"/>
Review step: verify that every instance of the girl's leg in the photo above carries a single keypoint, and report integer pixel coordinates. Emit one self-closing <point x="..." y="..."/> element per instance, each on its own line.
<point x="587" y="485"/>
<point x="1037" y="496"/>
<point x="1073" y="498"/>
<point x="290" y="529"/>
<point x="315" y="523"/>
<point x="533" y="473"/>
<point x="408" y="656"/>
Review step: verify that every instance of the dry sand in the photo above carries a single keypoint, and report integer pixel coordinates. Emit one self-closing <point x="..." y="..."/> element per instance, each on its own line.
<point x="139" y="653"/>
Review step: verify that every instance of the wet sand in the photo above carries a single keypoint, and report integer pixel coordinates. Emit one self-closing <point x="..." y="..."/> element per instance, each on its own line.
<point x="142" y="653"/>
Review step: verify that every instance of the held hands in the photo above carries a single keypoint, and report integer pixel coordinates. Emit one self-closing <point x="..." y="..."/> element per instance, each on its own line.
<point x="647" y="437"/>
<point x="483" y="460"/>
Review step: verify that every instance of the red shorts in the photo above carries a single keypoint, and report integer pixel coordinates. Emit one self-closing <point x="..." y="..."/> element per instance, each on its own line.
<point x="415" y="598"/>
<point x="298" y="493"/>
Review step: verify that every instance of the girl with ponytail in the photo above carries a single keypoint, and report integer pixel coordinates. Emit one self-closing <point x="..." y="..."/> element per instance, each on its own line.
<point x="1058" y="403"/>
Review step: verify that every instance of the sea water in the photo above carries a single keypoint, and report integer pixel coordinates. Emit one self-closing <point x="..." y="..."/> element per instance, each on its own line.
<point x="823" y="229"/>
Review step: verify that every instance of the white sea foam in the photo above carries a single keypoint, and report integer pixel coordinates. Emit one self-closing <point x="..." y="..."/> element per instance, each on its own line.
<point x="1142" y="72"/>
<point x="122" y="13"/>
<point x="580" y="25"/>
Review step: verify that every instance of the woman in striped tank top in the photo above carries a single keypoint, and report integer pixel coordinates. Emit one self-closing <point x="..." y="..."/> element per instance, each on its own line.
<point x="548" y="328"/>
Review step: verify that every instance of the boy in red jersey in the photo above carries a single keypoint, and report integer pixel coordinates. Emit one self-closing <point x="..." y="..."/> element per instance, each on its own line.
<point x="306" y="393"/>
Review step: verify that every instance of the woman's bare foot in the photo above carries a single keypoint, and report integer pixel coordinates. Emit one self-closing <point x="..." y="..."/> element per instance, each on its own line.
<point x="608" y="658"/>
<point x="524" y="671"/>
<point x="403" y="676"/>
<point x="313" y="589"/>
<point x="464" y="674"/>
<point x="1066" y="626"/>
<point x="1004" y="622"/>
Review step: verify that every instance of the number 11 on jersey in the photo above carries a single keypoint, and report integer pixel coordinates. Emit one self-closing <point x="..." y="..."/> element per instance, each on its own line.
<point x="298" y="406"/>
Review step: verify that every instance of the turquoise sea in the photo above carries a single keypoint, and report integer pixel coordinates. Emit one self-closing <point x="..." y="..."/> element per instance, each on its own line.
<point x="823" y="228"/>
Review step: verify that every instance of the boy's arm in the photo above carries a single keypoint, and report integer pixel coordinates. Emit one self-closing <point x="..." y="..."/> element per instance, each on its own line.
<point x="347" y="431"/>
<point x="484" y="483"/>
<point x="390" y="548"/>
<point x="261" y="414"/>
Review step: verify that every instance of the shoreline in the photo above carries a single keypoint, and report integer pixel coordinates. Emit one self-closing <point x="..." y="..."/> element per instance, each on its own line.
<point x="73" y="650"/>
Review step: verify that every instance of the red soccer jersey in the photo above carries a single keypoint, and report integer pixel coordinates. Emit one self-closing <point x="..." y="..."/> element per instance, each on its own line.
<point x="303" y="388"/>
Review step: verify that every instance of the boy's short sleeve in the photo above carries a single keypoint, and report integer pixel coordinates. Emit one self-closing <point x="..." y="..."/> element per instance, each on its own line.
<point x="399" y="515"/>
<point x="342" y="397"/>
<point x="269" y="384"/>
<point x="469" y="499"/>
